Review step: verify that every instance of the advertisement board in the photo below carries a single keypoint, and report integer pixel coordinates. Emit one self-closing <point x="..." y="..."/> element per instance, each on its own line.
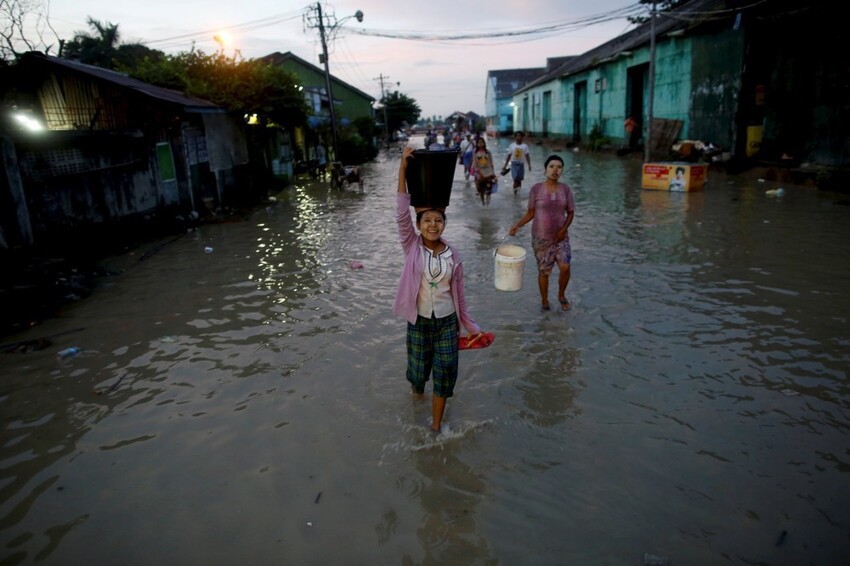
<point x="674" y="176"/>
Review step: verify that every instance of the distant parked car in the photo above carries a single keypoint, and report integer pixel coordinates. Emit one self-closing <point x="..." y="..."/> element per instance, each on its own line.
<point x="400" y="136"/>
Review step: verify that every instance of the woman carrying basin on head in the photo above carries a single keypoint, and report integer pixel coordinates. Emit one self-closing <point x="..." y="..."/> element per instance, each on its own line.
<point x="430" y="297"/>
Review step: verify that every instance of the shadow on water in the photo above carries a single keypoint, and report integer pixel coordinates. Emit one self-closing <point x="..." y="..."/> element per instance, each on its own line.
<point x="692" y="404"/>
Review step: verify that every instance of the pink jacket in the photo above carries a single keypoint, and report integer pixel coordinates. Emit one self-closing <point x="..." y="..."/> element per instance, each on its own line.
<point x="411" y="275"/>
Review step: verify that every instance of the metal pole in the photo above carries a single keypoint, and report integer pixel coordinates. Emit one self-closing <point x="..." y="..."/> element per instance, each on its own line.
<point x="386" y="124"/>
<point x="648" y="142"/>
<point x="328" y="80"/>
<point x="384" y="100"/>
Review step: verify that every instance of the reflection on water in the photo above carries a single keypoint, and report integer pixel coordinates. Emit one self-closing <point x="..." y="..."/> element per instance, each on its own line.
<point x="691" y="405"/>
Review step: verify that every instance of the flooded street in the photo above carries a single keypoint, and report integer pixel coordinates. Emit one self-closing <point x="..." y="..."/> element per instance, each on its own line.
<point x="247" y="404"/>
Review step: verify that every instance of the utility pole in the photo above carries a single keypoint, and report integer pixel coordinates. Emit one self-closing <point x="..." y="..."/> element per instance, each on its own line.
<point x="381" y="78"/>
<point x="319" y="21"/>
<point x="648" y="141"/>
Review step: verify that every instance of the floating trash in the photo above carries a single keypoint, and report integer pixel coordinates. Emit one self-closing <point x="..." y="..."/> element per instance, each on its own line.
<point x="68" y="353"/>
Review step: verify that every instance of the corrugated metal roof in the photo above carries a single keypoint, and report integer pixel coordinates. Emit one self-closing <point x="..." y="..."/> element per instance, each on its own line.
<point x="686" y="16"/>
<point x="509" y="81"/>
<point x="189" y="103"/>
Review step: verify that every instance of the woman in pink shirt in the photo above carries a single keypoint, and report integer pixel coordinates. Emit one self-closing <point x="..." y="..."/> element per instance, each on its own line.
<point x="430" y="297"/>
<point x="552" y="207"/>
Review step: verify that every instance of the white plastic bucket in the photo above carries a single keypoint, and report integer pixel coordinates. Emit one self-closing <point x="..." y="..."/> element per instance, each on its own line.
<point x="510" y="263"/>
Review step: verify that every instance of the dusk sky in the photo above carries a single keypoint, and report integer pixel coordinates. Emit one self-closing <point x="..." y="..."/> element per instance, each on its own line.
<point x="442" y="75"/>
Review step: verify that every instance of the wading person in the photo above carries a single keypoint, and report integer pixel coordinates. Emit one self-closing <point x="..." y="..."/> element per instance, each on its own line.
<point x="551" y="206"/>
<point x="467" y="148"/>
<point x="484" y="170"/>
<point x="518" y="156"/>
<point x="430" y="297"/>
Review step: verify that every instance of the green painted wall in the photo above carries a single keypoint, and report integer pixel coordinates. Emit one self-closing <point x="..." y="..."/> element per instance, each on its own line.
<point x="697" y="81"/>
<point x="672" y="82"/>
<point x="717" y="61"/>
<point x="779" y="67"/>
<point x="352" y="104"/>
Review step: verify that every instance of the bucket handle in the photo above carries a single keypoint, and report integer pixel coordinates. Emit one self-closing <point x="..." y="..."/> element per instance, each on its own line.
<point x="499" y="245"/>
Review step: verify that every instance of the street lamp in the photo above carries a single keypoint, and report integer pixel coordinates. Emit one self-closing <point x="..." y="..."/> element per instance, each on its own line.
<point x="332" y="28"/>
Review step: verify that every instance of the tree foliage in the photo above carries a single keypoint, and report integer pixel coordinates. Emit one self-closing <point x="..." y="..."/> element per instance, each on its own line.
<point x="101" y="47"/>
<point x="98" y="48"/>
<point x="401" y="109"/>
<point x="244" y="86"/>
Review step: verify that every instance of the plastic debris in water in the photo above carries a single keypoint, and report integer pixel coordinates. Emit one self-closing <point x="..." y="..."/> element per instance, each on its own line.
<point x="68" y="352"/>
<point x="208" y="250"/>
<point x="355" y="265"/>
<point x="775" y="192"/>
<point x="655" y="560"/>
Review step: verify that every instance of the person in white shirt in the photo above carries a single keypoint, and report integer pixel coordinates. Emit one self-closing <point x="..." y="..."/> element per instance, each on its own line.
<point x="467" y="149"/>
<point x="518" y="156"/>
<point x="431" y="298"/>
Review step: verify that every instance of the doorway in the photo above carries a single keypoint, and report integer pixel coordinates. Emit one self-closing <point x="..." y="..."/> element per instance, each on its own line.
<point x="547" y="111"/>
<point x="636" y="84"/>
<point x="579" y="110"/>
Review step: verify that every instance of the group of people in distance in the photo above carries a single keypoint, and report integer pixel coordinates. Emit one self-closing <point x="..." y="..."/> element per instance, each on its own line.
<point x="430" y="294"/>
<point x="479" y="164"/>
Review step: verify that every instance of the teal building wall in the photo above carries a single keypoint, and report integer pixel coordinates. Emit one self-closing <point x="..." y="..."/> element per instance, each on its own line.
<point x="697" y="81"/>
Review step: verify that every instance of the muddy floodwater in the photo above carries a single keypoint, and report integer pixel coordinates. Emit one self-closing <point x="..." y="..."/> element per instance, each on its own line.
<point x="239" y="396"/>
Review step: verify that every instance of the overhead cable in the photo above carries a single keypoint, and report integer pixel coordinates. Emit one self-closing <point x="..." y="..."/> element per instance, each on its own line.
<point x="561" y="26"/>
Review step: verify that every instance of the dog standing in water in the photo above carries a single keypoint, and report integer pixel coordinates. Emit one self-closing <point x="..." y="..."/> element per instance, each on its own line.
<point x="340" y="174"/>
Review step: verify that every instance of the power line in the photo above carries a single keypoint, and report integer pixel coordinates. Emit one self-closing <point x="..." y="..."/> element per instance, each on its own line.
<point x="489" y="34"/>
<point x="352" y="64"/>
<point x="246" y="26"/>
<point x="559" y="27"/>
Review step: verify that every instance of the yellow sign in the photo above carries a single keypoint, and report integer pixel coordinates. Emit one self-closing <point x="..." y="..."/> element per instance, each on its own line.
<point x="674" y="176"/>
<point x="754" y="135"/>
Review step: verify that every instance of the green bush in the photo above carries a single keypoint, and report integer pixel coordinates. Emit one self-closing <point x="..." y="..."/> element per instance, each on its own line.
<point x="596" y="139"/>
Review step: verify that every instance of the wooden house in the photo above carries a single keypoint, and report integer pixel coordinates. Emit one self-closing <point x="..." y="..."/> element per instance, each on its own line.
<point x="85" y="147"/>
